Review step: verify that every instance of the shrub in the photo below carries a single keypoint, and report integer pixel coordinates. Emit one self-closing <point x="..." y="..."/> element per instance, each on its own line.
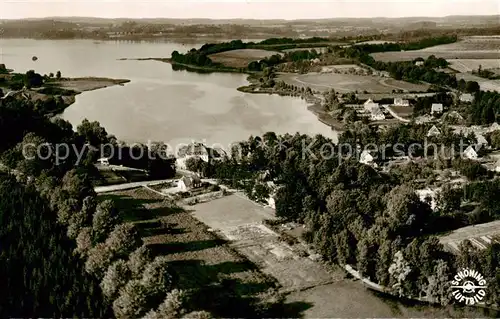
<point x="99" y="259"/>
<point x="116" y="277"/>
<point x="132" y="300"/>
<point x="105" y="219"/>
<point x="84" y="241"/>
<point x="138" y="260"/>
<point x="174" y="304"/>
<point x="156" y="277"/>
<point x="123" y="240"/>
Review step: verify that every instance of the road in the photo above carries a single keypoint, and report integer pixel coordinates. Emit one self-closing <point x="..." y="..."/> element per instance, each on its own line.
<point x="394" y="114"/>
<point x="121" y="187"/>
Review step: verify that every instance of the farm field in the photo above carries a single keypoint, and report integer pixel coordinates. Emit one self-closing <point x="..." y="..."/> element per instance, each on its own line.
<point x="198" y="257"/>
<point x="349" y="83"/>
<point x="467" y="48"/>
<point x="480" y="235"/>
<point x="485" y="84"/>
<point x="241" y="58"/>
<point x="469" y="65"/>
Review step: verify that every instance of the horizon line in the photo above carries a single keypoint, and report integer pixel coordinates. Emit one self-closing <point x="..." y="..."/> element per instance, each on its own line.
<point x="253" y="19"/>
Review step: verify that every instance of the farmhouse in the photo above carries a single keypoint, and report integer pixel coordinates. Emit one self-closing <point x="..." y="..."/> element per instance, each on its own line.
<point x="470" y="153"/>
<point x="188" y="182"/>
<point x="434" y="131"/>
<point x="369" y="105"/>
<point x="467" y="98"/>
<point x="436" y="108"/>
<point x="400" y="102"/>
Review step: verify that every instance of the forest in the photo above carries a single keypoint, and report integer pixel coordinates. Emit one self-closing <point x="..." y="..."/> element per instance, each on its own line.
<point x="370" y="219"/>
<point x="63" y="253"/>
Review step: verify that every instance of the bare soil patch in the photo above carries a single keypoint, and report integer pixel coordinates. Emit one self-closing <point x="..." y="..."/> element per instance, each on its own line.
<point x="241" y="58"/>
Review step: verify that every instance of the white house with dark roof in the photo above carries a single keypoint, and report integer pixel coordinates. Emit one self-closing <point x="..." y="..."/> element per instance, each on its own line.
<point x="434" y="131"/>
<point x="470" y="153"/>
<point x="436" y="108"/>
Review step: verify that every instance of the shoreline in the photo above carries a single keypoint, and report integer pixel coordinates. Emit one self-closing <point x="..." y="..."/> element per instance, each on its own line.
<point x="64" y="88"/>
<point x="191" y="67"/>
<point x="313" y="104"/>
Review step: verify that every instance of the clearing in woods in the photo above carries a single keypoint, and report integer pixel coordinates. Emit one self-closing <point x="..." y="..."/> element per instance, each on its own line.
<point x="241" y="58"/>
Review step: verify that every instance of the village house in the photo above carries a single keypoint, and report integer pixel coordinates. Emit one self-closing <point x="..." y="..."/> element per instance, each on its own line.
<point x="367" y="159"/>
<point x="271" y="202"/>
<point x="188" y="182"/>
<point x="466" y="98"/>
<point x="377" y="114"/>
<point x="481" y="140"/>
<point x="400" y="102"/>
<point x="436" y="108"/>
<point x="454" y="115"/>
<point x="434" y="131"/>
<point x="369" y="105"/>
<point x="494" y="127"/>
<point x="103" y="161"/>
<point x="470" y="153"/>
<point x="197" y="150"/>
<point x="419" y="63"/>
<point x="427" y="195"/>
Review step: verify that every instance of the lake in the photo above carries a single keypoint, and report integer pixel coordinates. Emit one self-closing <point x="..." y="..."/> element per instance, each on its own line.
<point x="160" y="104"/>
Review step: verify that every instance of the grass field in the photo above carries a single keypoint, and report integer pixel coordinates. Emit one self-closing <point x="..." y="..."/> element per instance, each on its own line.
<point x="349" y="83"/>
<point x="241" y="58"/>
<point x="199" y="258"/>
<point x="468" y="48"/>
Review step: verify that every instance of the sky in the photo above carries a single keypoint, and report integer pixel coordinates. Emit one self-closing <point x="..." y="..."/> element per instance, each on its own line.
<point x="250" y="9"/>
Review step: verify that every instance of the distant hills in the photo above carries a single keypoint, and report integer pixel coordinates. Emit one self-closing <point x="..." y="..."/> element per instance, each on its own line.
<point x="439" y="21"/>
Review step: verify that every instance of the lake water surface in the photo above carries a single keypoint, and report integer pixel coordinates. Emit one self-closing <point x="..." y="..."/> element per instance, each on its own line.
<point x="160" y="104"/>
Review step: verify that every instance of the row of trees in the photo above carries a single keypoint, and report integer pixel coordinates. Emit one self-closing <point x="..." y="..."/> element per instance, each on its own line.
<point x="276" y="59"/>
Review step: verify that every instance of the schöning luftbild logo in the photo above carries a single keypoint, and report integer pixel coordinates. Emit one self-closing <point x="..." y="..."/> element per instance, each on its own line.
<point x="469" y="287"/>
